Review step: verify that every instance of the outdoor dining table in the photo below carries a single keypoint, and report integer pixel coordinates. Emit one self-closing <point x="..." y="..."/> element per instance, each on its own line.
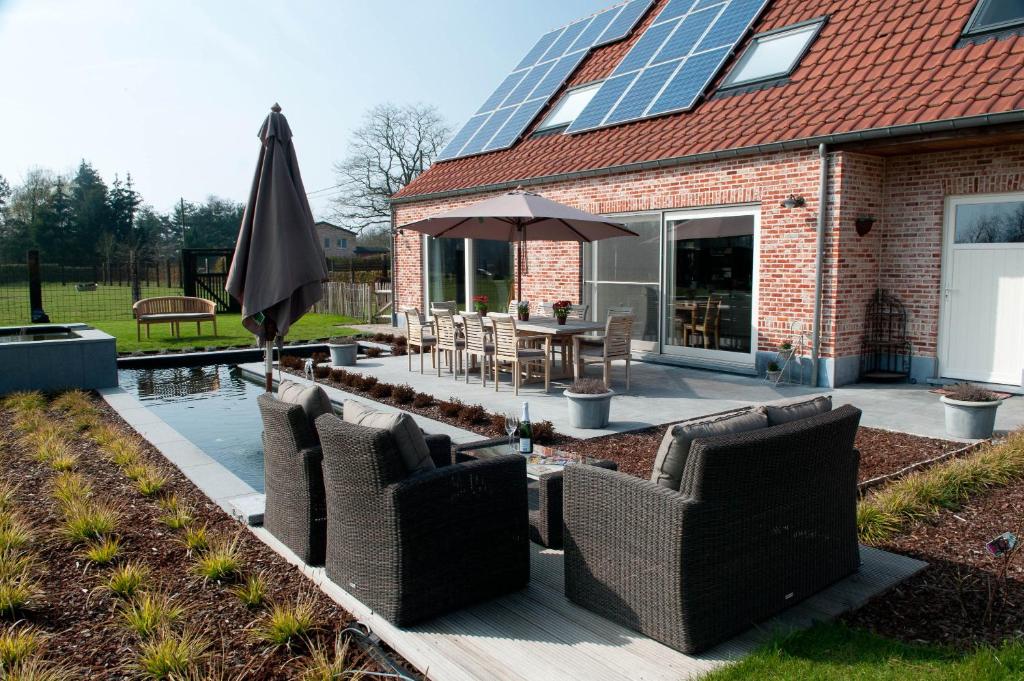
<point x="550" y="329"/>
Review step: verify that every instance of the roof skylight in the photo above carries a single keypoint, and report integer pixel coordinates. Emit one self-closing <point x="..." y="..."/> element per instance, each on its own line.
<point x="995" y="15"/>
<point x="569" y="107"/>
<point x="774" y="54"/>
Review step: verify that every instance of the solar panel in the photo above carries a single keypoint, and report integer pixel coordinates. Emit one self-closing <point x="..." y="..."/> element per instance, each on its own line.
<point x="523" y="93"/>
<point x="672" y="64"/>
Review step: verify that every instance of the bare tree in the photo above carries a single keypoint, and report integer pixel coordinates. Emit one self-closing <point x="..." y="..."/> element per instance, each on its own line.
<point x="389" y="150"/>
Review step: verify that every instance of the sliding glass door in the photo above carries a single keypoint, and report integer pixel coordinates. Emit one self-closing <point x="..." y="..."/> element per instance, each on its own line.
<point x="710" y="284"/>
<point x="458" y="269"/>
<point x="445" y="273"/>
<point x="623" y="273"/>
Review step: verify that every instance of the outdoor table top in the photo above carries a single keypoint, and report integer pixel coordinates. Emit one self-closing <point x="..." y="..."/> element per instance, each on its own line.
<point x="549" y="326"/>
<point x="544" y="460"/>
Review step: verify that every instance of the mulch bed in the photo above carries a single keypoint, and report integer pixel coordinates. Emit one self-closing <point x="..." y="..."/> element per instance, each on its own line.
<point x="881" y="451"/>
<point x="81" y="619"/>
<point x="949" y="602"/>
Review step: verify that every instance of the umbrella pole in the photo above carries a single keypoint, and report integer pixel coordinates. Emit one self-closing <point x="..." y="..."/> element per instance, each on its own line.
<point x="270" y="366"/>
<point x="519" y="271"/>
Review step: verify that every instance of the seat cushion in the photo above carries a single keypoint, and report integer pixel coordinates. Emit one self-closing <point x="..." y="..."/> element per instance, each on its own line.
<point x="311" y="398"/>
<point x="597" y="341"/>
<point x="412" y="446"/>
<point x="176" y="316"/>
<point x="530" y="353"/>
<point x="796" y="408"/>
<point x="675" y="446"/>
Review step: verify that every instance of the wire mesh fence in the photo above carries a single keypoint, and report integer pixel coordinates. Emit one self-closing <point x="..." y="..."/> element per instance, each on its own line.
<point x="86" y="293"/>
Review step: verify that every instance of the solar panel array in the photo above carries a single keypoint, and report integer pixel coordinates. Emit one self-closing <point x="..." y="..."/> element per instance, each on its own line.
<point x="670" y="67"/>
<point x="512" y="107"/>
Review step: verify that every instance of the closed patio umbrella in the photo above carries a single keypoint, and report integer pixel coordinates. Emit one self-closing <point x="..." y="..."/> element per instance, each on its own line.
<point x="279" y="265"/>
<point x="520" y="216"/>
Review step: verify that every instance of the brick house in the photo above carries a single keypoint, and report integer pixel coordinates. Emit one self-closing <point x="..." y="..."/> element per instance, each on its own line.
<point x="338" y="242"/>
<point x="889" y="133"/>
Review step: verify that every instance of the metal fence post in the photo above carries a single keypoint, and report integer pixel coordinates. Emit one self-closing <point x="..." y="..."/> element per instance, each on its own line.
<point x="35" y="290"/>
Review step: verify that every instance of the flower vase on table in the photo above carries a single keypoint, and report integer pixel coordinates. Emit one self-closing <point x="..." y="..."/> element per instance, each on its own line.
<point x="480" y="305"/>
<point x="561" y="310"/>
<point x="523" y="311"/>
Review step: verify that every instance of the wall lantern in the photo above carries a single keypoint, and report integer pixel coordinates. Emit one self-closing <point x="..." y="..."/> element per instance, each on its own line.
<point x="864" y="223"/>
<point x="794" y="202"/>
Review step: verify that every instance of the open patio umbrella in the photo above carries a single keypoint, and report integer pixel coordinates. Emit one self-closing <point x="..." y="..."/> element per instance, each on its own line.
<point x="279" y="266"/>
<point x="520" y="216"/>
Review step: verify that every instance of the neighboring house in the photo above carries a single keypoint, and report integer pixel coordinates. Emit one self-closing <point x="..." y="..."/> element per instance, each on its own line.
<point x="901" y="125"/>
<point x="337" y="242"/>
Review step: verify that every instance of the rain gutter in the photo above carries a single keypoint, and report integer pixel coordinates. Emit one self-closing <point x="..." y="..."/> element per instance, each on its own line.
<point x="819" y="259"/>
<point x="889" y="132"/>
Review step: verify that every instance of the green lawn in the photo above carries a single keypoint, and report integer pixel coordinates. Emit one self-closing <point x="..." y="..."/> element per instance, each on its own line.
<point x="229" y="329"/>
<point x="833" y="652"/>
<point x="64" y="303"/>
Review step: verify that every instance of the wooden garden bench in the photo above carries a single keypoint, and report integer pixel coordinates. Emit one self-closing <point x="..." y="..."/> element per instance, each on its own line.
<point x="173" y="310"/>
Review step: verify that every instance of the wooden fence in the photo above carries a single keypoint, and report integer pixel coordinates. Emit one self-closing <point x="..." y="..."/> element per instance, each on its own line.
<point x="364" y="302"/>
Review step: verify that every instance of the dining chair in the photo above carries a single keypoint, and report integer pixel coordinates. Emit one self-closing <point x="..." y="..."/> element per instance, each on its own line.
<point x="513" y="307"/>
<point x="420" y="334"/>
<point x="706" y="326"/>
<point x="620" y="309"/>
<point x="614" y="345"/>
<point x="509" y="348"/>
<point x="448" y="340"/>
<point x="544" y="309"/>
<point x="449" y="305"/>
<point x="578" y="311"/>
<point x="477" y="344"/>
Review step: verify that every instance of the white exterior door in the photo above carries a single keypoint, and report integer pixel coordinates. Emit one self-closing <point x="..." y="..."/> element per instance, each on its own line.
<point x="983" y="290"/>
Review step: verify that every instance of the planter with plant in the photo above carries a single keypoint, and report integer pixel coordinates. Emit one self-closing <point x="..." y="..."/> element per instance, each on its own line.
<point x="561" y="310"/>
<point x="590" y="402"/>
<point x="970" y="411"/>
<point x="480" y="305"/>
<point x="785" y="350"/>
<point x="343" y="351"/>
<point x="523" y="310"/>
<point x="774" y="372"/>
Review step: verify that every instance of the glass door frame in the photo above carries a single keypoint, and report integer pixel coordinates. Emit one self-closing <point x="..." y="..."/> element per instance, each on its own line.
<point x="699" y="354"/>
<point x="641" y="346"/>
<point x="467" y="264"/>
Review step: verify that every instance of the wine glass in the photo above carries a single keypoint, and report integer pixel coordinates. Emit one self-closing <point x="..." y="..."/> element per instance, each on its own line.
<point x="511" y="426"/>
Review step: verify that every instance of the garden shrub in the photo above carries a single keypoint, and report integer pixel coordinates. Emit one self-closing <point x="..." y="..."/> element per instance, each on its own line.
<point x="473" y="414"/>
<point x="543" y="432"/>
<point x="381" y="391"/>
<point x="372" y="352"/>
<point x="322" y="372"/>
<point x="451" y="407"/>
<point x="338" y="375"/>
<point x="367" y="382"/>
<point x="403" y="394"/>
<point x="422" y="400"/>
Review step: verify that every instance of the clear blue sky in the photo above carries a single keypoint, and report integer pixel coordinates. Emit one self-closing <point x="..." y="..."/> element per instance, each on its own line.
<point x="174" y="91"/>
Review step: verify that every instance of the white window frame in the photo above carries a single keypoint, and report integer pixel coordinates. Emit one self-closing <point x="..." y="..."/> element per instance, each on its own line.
<point x="547" y="123"/>
<point x="971" y="29"/>
<point x="750" y="52"/>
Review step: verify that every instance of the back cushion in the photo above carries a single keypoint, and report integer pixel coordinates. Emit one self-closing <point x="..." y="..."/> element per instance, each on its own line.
<point x="794" y="409"/>
<point x="311" y="398"/>
<point x="412" y="446"/>
<point x="675" y="446"/>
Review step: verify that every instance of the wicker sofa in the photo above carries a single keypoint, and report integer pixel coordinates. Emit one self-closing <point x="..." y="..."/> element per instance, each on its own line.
<point x="293" y="480"/>
<point x="412" y="547"/>
<point x="762" y="520"/>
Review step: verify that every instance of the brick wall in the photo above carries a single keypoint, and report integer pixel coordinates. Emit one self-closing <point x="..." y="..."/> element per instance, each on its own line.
<point x="915" y="191"/>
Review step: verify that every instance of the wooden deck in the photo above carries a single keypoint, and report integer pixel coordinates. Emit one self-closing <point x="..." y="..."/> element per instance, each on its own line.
<point x="537" y="635"/>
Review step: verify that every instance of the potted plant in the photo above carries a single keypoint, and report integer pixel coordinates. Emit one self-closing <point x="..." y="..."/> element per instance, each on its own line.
<point x="561" y="310"/>
<point x="970" y="411"/>
<point x="523" y="310"/>
<point x="343" y="351"/>
<point x="480" y="305"/>
<point x="785" y="350"/>
<point x="774" y="372"/>
<point x="590" y="402"/>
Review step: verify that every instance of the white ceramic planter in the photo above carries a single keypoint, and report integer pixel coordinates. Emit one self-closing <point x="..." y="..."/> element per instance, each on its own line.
<point x="589" y="411"/>
<point x="343" y="354"/>
<point x="970" y="420"/>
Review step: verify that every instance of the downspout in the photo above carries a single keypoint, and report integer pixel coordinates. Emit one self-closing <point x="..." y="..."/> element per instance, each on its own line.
<point x="394" y="268"/>
<point x="819" y="262"/>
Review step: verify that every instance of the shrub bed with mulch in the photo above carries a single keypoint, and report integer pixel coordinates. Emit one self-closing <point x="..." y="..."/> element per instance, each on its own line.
<point x="113" y="565"/>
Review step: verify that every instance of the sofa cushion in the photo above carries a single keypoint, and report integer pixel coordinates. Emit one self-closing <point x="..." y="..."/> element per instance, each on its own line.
<point x="412" y="446"/>
<point x="796" y="408"/>
<point x="311" y="398"/>
<point x="675" y="446"/>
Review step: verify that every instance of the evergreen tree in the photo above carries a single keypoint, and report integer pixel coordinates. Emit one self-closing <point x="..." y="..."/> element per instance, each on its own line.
<point x="90" y="214"/>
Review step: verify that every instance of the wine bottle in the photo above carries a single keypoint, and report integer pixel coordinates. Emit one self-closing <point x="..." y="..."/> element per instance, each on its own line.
<point x="525" y="431"/>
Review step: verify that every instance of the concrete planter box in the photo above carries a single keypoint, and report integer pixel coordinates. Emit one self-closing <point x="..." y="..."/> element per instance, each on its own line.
<point x="589" y="411"/>
<point x="56" y="357"/>
<point x="343" y="354"/>
<point x="970" y="420"/>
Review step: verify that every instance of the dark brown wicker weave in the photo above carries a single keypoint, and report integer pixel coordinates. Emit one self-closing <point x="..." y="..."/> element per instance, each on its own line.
<point x="412" y="548"/>
<point x="763" y="520"/>
<point x="294" y="486"/>
<point x="544" y="496"/>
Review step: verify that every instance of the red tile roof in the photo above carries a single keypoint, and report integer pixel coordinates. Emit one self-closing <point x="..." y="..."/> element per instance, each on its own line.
<point x="876" y="64"/>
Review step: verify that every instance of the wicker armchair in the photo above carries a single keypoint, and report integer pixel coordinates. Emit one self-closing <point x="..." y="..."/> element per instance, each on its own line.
<point x="763" y="519"/>
<point x="412" y="548"/>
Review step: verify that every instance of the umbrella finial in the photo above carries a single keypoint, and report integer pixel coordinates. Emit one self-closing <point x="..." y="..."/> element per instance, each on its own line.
<point x="276" y="108"/>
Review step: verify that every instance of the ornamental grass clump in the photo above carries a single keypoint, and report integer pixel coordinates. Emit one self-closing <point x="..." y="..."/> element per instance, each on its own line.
<point x="968" y="392"/>
<point x="38" y="669"/>
<point x="124" y="451"/>
<point x="588" y="386"/>
<point x="15" y="532"/>
<point x="948" y="485"/>
<point x="103" y="551"/>
<point x="196" y="539"/>
<point x="7" y="495"/>
<point x="64" y="461"/>
<point x="220" y="562"/>
<point x="324" y="665"/>
<point x="18" y="643"/>
<point x="85" y="521"/>
<point x="176" y="514"/>
<point x="70" y="488"/>
<point x="285" y="625"/>
<point x="128" y="579"/>
<point x="17" y="591"/>
<point x="147" y="613"/>
<point x="151" y="482"/>
<point x="253" y="591"/>
<point x="169" y="655"/>
<point x="17" y="564"/>
<point x="73" y="403"/>
<point x="25" y="401"/>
